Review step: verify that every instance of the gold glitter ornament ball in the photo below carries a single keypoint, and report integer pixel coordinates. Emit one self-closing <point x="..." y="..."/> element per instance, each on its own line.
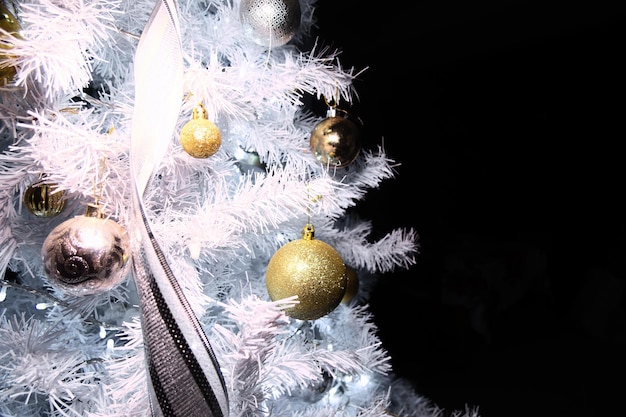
<point x="200" y="137"/>
<point x="42" y="200"/>
<point x="310" y="269"/>
<point x="87" y="254"/>
<point x="335" y="141"/>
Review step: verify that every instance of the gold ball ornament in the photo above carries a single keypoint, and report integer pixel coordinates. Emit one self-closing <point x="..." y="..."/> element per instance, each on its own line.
<point x="352" y="285"/>
<point x="270" y="23"/>
<point x="310" y="269"/>
<point x="336" y="141"/>
<point x="42" y="200"/>
<point x="87" y="254"/>
<point x="10" y="27"/>
<point x="200" y="137"/>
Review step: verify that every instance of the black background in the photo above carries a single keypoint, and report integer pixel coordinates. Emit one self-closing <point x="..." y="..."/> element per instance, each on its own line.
<point x="507" y="120"/>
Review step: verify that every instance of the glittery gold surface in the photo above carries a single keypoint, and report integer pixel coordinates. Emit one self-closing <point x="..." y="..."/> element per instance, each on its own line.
<point x="335" y="141"/>
<point x="310" y="269"/>
<point x="200" y="137"/>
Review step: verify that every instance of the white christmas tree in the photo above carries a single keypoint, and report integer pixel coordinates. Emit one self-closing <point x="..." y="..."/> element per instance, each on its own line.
<point x="176" y="229"/>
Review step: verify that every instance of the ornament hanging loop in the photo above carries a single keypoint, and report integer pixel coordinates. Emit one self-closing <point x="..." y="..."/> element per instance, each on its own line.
<point x="335" y="111"/>
<point x="97" y="184"/>
<point x="309" y="200"/>
<point x="332" y="104"/>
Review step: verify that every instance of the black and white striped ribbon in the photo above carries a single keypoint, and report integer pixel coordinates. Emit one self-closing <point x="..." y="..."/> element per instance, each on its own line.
<point x="184" y="377"/>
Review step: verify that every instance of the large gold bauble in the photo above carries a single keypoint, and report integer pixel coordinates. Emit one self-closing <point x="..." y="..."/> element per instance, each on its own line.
<point x="87" y="254"/>
<point x="335" y="141"/>
<point x="200" y="137"/>
<point x="310" y="269"/>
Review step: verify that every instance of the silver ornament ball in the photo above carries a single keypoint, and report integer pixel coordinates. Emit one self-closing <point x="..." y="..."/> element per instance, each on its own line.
<point x="316" y="389"/>
<point x="87" y="254"/>
<point x="270" y="23"/>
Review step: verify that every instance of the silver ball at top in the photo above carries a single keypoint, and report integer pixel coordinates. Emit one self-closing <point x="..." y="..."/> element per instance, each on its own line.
<point x="270" y="23"/>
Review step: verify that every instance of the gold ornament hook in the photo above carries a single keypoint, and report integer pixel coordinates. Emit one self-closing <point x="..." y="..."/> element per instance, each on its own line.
<point x="309" y="201"/>
<point x="97" y="183"/>
<point x="334" y="102"/>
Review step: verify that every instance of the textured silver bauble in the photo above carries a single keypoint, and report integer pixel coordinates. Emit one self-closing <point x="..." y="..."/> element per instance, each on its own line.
<point x="87" y="254"/>
<point x="270" y="23"/>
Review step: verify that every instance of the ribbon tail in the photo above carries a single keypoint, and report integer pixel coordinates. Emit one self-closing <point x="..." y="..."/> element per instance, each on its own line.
<point x="184" y="375"/>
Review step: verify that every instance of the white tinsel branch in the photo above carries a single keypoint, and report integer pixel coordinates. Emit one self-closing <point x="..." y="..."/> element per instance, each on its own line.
<point x="56" y="42"/>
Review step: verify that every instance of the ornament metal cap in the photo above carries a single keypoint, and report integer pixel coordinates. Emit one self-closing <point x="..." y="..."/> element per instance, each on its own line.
<point x="199" y="112"/>
<point x="308" y="232"/>
<point x="94" y="210"/>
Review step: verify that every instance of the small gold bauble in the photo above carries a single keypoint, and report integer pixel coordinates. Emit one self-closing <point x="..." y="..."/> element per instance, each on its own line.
<point x="310" y="269"/>
<point x="200" y="137"/>
<point x="87" y="254"/>
<point x="352" y="285"/>
<point x="335" y="141"/>
<point x="42" y="200"/>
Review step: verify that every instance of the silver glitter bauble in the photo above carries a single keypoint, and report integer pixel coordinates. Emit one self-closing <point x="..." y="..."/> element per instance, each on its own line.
<point x="270" y="22"/>
<point x="87" y="254"/>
